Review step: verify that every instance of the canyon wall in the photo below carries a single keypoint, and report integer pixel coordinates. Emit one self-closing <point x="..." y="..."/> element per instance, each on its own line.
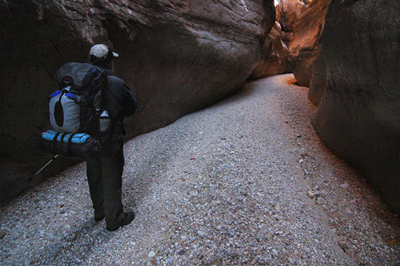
<point x="359" y="114"/>
<point x="178" y="56"/>
<point x="306" y="41"/>
<point x="275" y="51"/>
<point x="274" y="55"/>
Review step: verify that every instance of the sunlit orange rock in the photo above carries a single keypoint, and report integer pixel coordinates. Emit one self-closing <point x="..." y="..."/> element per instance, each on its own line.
<point x="306" y="41"/>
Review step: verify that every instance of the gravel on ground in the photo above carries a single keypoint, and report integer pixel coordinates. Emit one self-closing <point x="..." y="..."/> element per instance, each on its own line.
<point x="243" y="182"/>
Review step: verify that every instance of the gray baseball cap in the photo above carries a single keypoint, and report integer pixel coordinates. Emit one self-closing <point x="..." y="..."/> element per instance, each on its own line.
<point x="101" y="54"/>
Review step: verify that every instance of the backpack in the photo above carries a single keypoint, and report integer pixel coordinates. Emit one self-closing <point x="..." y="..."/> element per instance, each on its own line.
<point x="76" y="108"/>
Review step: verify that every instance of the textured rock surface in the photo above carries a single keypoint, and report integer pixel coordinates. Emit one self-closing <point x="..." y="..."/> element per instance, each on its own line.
<point x="359" y="116"/>
<point x="306" y="41"/>
<point x="288" y="13"/>
<point x="274" y="55"/>
<point x="275" y="52"/>
<point x="318" y="79"/>
<point x="178" y="56"/>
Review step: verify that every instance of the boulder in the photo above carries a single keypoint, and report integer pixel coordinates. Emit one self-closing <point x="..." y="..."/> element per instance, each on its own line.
<point x="178" y="56"/>
<point x="306" y="41"/>
<point x="359" y="115"/>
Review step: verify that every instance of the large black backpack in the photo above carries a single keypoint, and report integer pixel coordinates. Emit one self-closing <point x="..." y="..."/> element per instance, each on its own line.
<point x="77" y="107"/>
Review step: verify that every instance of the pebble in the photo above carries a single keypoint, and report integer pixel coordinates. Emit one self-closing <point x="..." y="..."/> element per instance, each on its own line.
<point x="194" y="193"/>
<point x="312" y="194"/>
<point x="2" y="234"/>
<point x="201" y="233"/>
<point x="181" y="252"/>
<point x="344" y="185"/>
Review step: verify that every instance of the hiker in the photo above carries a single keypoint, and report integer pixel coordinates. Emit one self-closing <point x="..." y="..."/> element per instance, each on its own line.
<point x="105" y="173"/>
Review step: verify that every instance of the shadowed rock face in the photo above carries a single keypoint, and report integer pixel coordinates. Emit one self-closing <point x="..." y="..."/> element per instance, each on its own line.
<point x="178" y="56"/>
<point x="274" y="55"/>
<point x="318" y="78"/>
<point x="359" y="115"/>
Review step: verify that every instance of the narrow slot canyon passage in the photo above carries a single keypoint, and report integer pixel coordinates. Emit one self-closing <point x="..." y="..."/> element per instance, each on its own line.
<point x="267" y="133"/>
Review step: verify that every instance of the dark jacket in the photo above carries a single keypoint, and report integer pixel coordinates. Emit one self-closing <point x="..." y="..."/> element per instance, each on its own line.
<point x="120" y="103"/>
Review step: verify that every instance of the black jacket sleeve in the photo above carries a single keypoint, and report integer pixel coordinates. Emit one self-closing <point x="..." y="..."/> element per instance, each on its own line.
<point x="129" y="103"/>
<point x="119" y="100"/>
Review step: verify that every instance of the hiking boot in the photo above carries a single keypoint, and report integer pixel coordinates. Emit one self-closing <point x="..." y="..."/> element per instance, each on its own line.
<point x="99" y="217"/>
<point x="127" y="219"/>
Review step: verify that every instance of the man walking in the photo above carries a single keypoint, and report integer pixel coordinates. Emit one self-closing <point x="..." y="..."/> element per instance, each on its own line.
<point x="105" y="174"/>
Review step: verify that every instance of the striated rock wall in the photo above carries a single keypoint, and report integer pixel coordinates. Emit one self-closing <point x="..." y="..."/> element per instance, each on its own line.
<point x="288" y="13"/>
<point x="275" y="51"/>
<point x="359" y="115"/>
<point x="178" y="56"/>
<point x="306" y="41"/>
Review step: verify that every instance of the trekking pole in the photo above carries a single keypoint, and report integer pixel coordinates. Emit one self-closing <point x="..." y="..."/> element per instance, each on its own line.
<point x="44" y="166"/>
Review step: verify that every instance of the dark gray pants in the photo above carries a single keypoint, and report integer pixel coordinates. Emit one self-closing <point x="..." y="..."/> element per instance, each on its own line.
<point x="105" y="184"/>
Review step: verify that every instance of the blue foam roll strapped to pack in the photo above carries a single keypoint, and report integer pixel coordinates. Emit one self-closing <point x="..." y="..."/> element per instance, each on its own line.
<point x="78" y="138"/>
<point x="79" y="145"/>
